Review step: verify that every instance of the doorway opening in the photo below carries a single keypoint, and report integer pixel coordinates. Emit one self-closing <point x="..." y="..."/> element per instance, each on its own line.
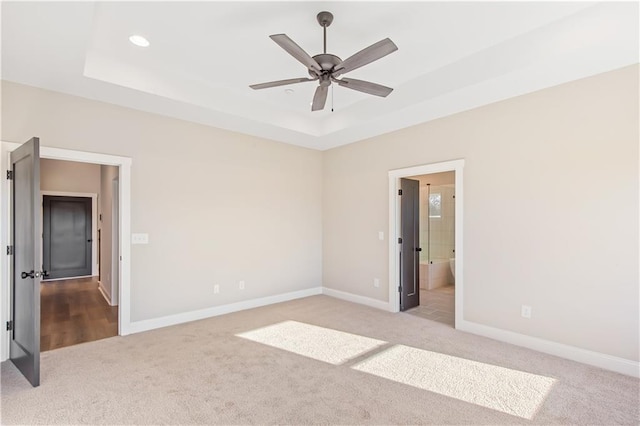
<point x="436" y="257"/>
<point x="121" y="295"/>
<point x="78" y="296"/>
<point x="436" y="260"/>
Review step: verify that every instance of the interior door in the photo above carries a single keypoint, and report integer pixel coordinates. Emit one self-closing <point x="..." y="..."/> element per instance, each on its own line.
<point x="67" y="236"/>
<point x="27" y="261"/>
<point x="410" y="242"/>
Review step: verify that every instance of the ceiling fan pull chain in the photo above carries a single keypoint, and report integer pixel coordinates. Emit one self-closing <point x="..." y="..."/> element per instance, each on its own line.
<point x="332" y="98"/>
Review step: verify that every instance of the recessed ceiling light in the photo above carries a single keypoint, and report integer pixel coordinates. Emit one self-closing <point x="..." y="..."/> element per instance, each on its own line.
<point x="138" y="40"/>
<point x="288" y="91"/>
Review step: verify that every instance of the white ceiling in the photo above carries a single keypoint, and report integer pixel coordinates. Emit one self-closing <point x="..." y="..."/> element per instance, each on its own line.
<point x="452" y="56"/>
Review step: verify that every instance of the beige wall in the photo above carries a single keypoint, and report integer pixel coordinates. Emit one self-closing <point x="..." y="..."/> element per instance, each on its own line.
<point x="218" y="206"/>
<point x="550" y="210"/>
<point x="551" y="206"/>
<point x="69" y="176"/>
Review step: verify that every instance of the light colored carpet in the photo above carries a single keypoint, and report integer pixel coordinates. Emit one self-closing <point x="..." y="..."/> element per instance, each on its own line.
<point x="317" y="360"/>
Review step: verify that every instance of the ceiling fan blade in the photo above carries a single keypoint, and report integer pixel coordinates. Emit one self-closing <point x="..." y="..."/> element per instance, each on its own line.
<point x="320" y="98"/>
<point x="296" y="51"/>
<point x="280" y="83"/>
<point x="365" y="86"/>
<point x="366" y="56"/>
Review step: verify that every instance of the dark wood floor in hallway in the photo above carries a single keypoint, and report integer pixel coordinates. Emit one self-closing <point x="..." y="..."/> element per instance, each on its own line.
<point x="74" y="311"/>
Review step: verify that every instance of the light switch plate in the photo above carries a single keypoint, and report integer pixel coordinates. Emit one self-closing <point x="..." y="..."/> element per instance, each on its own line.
<point x="139" y="238"/>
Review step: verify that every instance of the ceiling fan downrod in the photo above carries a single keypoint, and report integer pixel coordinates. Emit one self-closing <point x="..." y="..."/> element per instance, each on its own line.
<point x="325" y="19"/>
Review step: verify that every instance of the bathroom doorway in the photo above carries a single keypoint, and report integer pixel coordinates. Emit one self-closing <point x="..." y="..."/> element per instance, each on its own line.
<point x="437" y="243"/>
<point x="440" y="241"/>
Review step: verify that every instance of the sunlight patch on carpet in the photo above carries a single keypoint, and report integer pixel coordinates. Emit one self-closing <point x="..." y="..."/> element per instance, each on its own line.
<point x="322" y="344"/>
<point x="509" y="391"/>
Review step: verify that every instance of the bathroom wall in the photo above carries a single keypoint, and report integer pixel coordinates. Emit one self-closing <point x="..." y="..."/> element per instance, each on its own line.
<point x="437" y="234"/>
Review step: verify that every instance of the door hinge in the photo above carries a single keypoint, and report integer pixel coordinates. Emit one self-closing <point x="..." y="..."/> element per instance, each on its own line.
<point x="399" y="240"/>
<point x="400" y="289"/>
<point x="399" y="191"/>
<point x="9" y="250"/>
<point x="9" y="325"/>
<point x="9" y="174"/>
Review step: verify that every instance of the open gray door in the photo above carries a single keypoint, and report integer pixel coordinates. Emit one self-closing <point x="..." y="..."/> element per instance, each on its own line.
<point x="410" y="242"/>
<point x="25" y="275"/>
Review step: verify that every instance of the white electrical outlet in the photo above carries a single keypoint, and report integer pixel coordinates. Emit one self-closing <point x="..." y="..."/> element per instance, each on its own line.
<point x="216" y="289"/>
<point x="376" y="282"/>
<point x="381" y="235"/>
<point x="526" y="311"/>
<point x="241" y="285"/>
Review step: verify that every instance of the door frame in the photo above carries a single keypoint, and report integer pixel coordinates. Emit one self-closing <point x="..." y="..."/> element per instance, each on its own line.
<point x="456" y="166"/>
<point x="124" y="201"/>
<point x="115" y="238"/>
<point x="94" y="224"/>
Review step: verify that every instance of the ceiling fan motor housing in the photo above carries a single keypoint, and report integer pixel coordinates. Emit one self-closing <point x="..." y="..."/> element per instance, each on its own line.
<point x="327" y="62"/>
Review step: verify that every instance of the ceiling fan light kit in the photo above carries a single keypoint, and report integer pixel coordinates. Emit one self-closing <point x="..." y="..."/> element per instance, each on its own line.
<point x="326" y="67"/>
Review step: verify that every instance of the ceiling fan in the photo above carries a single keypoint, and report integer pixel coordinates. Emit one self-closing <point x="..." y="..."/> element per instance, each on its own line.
<point x="325" y="67"/>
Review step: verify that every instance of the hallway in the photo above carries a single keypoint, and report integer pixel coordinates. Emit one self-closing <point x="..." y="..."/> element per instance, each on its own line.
<point x="74" y="311"/>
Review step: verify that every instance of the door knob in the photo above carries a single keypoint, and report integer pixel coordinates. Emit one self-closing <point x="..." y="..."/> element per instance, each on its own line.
<point x="26" y="275"/>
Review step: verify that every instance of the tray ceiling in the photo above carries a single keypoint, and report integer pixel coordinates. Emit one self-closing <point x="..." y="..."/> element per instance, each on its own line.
<point x="452" y="56"/>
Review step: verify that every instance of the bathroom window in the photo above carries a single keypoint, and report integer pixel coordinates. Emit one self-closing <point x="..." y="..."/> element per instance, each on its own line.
<point x="435" y="205"/>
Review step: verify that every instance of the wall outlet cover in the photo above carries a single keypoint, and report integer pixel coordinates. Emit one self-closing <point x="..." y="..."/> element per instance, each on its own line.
<point x="139" y="238"/>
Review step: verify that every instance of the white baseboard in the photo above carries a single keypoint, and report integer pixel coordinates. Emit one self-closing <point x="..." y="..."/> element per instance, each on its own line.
<point x="104" y="293"/>
<point x="150" y="324"/>
<point x="350" y="297"/>
<point x="597" y="359"/>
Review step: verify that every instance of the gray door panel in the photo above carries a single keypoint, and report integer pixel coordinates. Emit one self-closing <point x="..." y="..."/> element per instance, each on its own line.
<point x="67" y="236"/>
<point x="27" y="262"/>
<point x="410" y="246"/>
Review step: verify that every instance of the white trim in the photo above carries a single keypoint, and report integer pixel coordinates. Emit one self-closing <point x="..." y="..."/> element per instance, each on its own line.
<point x="597" y="359"/>
<point x="355" y="298"/>
<point x="51" y="280"/>
<point x="104" y="293"/>
<point x="115" y="248"/>
<point x="94" y="222"/>
<point x="124" y="173"/>
<point x="151" y="324"/>
<point x="456" y="166"/>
